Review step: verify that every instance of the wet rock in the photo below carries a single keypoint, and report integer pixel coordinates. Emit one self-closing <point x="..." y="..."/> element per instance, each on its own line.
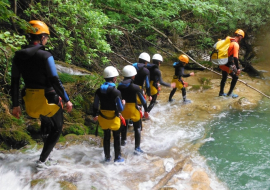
<point x="168" y="188"/>
<point x="200" y="180"/>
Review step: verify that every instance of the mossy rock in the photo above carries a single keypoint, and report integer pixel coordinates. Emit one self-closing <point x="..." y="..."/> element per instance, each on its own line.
<point x="14" y="139"/>
<point x="76" y="128"/>
<point x="91" y="139"/>
<point x="67" y="185"/>
<point x="64" y="185"/>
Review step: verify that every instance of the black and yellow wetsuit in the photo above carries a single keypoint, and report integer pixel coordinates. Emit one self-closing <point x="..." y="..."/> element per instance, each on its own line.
<point x="155" y="79"/>
<point x="37" y="68"/>
<point x="177" y="79"/>
<point x="130" y="92"/>
<point x="109" y="99"/>
<point x="143" y="76"/>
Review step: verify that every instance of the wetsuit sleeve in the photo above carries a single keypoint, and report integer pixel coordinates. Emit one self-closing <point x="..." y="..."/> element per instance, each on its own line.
<point x="147" y="84"/>
<point x="142" y="99"/>
<point x="159" y="78"/>
<point x="235" y="55"/>
<point x="183" y="74"/>
<point x="96" y="105"/>
<point x="54" y="79"/>
<point x="15" y="78"/>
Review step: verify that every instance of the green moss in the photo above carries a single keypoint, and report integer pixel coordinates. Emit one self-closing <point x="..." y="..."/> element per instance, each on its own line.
<point x="62" y="139"/>
<point x="15" y="138"/>
<point x="67" y="186"/>
<point x="67" y="78"/>
<point x="196" y="87"/>
<point x="78" y="129"/>
<point x="92" y="130"/>
<point x="37" y="181"/>
<point x="204" y="81"/>
<point x="205" y="87"/>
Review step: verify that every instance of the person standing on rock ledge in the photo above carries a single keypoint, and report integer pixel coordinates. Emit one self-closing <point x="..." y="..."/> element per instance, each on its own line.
<point x="177" y="78"/>
<point x="108" y="115"/>
<point x="232" y="67"/>
<point x="43" y="93"/>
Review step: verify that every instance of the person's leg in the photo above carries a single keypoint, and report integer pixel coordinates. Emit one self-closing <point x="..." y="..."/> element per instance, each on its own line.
<point x="124" y="134"/>
<point x="171" y="94"/>
<point x="152" y="103"/>
<point x="184" y="93"/>
<point x="117" y="147"/>
<point x="106" y="144"/>
<point x="222" y="83"/>
<point x="53" y="127"/>
<point x="137" y="132"/>
<point x="233" y="83"/>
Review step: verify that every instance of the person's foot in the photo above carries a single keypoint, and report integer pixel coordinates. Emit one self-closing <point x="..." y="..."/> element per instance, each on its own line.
<point x="138" y="151"/>
<point x="119" y="159"/>
<point x="186" y="101"/>
<point x="41" y="165"/>
<point x="222" y="94"/>
<point x="108" y="159"/>
<point x="123" y="143"/>
<point x="171" y="100"/>
<point x="232" y="95"/>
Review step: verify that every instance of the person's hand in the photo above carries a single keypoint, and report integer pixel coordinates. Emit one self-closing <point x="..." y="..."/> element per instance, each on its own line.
<point x="191" y="74"/>
<point x="146" y="115"/>
<point x="123" y="102"/>
<point x="69" y="106"/>
<point x="95" y="118"/>
<point x="149" y="98"/>
<point x="173" y="85"/>
<point x="238" y="72"/>
<point x="16" y="112"/>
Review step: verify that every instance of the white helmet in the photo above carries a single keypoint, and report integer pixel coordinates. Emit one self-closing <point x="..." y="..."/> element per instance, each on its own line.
<point x="145" y="56"/>
<point x="157" y="57"/>
<point x="129" y="71"/>
<point x="110" y="72"/>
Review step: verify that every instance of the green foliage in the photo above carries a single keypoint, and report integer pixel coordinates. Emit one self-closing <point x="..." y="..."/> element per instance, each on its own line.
<point x="76" y="129"/>
<point x="67" y="78"/>
<point x="204" y="81"/>
<point x="78" y="29"/>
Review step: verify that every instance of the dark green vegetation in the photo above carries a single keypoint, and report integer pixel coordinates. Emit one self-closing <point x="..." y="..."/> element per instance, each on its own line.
<point x="93" y="34"/>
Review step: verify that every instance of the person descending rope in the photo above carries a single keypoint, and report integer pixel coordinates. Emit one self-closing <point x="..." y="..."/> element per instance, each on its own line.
<point x="108" y="116"/>
<point x="232" y="67"/>
<point x="177" y="78"/>
<point x="143" y="76"/>
<point x="155" y="79"/>
<point x="43" y="93"/>
<point x="129" y="93"/>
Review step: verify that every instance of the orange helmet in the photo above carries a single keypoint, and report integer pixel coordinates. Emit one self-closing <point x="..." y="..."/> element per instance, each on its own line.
<point x="183" y="58"/>
<point x="40" y="27"/>
<point x="240" y="32"/>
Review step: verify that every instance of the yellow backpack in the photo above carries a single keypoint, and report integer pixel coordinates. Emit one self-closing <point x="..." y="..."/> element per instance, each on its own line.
<point x="219" y="56"/>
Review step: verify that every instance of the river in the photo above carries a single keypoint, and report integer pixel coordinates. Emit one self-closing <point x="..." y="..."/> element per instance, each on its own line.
<point x="227" y="149"/>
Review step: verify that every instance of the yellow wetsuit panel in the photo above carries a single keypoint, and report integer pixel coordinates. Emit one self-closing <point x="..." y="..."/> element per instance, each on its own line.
<point x="36" y="104"/>
<point x="131" y="112"/>
<point x="178" y="84"/>
<point x="153" y="89"/>
<point x="111" y="122"/>
<point x="138" y="99"/>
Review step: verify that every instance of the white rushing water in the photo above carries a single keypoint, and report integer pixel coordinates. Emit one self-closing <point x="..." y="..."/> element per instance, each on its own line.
<point x="165" y="139"/>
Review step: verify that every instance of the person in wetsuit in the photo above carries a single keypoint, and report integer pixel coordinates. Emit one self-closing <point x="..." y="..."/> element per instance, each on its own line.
<point x="155" y="79"/>
<point x="142" y="77"/>
<point x="129" y="92"/>
<point x="42" y="84"/>
<point x="108" y="115"/>
<point x="177" y="78"/>
<point x="232" y="67"/>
